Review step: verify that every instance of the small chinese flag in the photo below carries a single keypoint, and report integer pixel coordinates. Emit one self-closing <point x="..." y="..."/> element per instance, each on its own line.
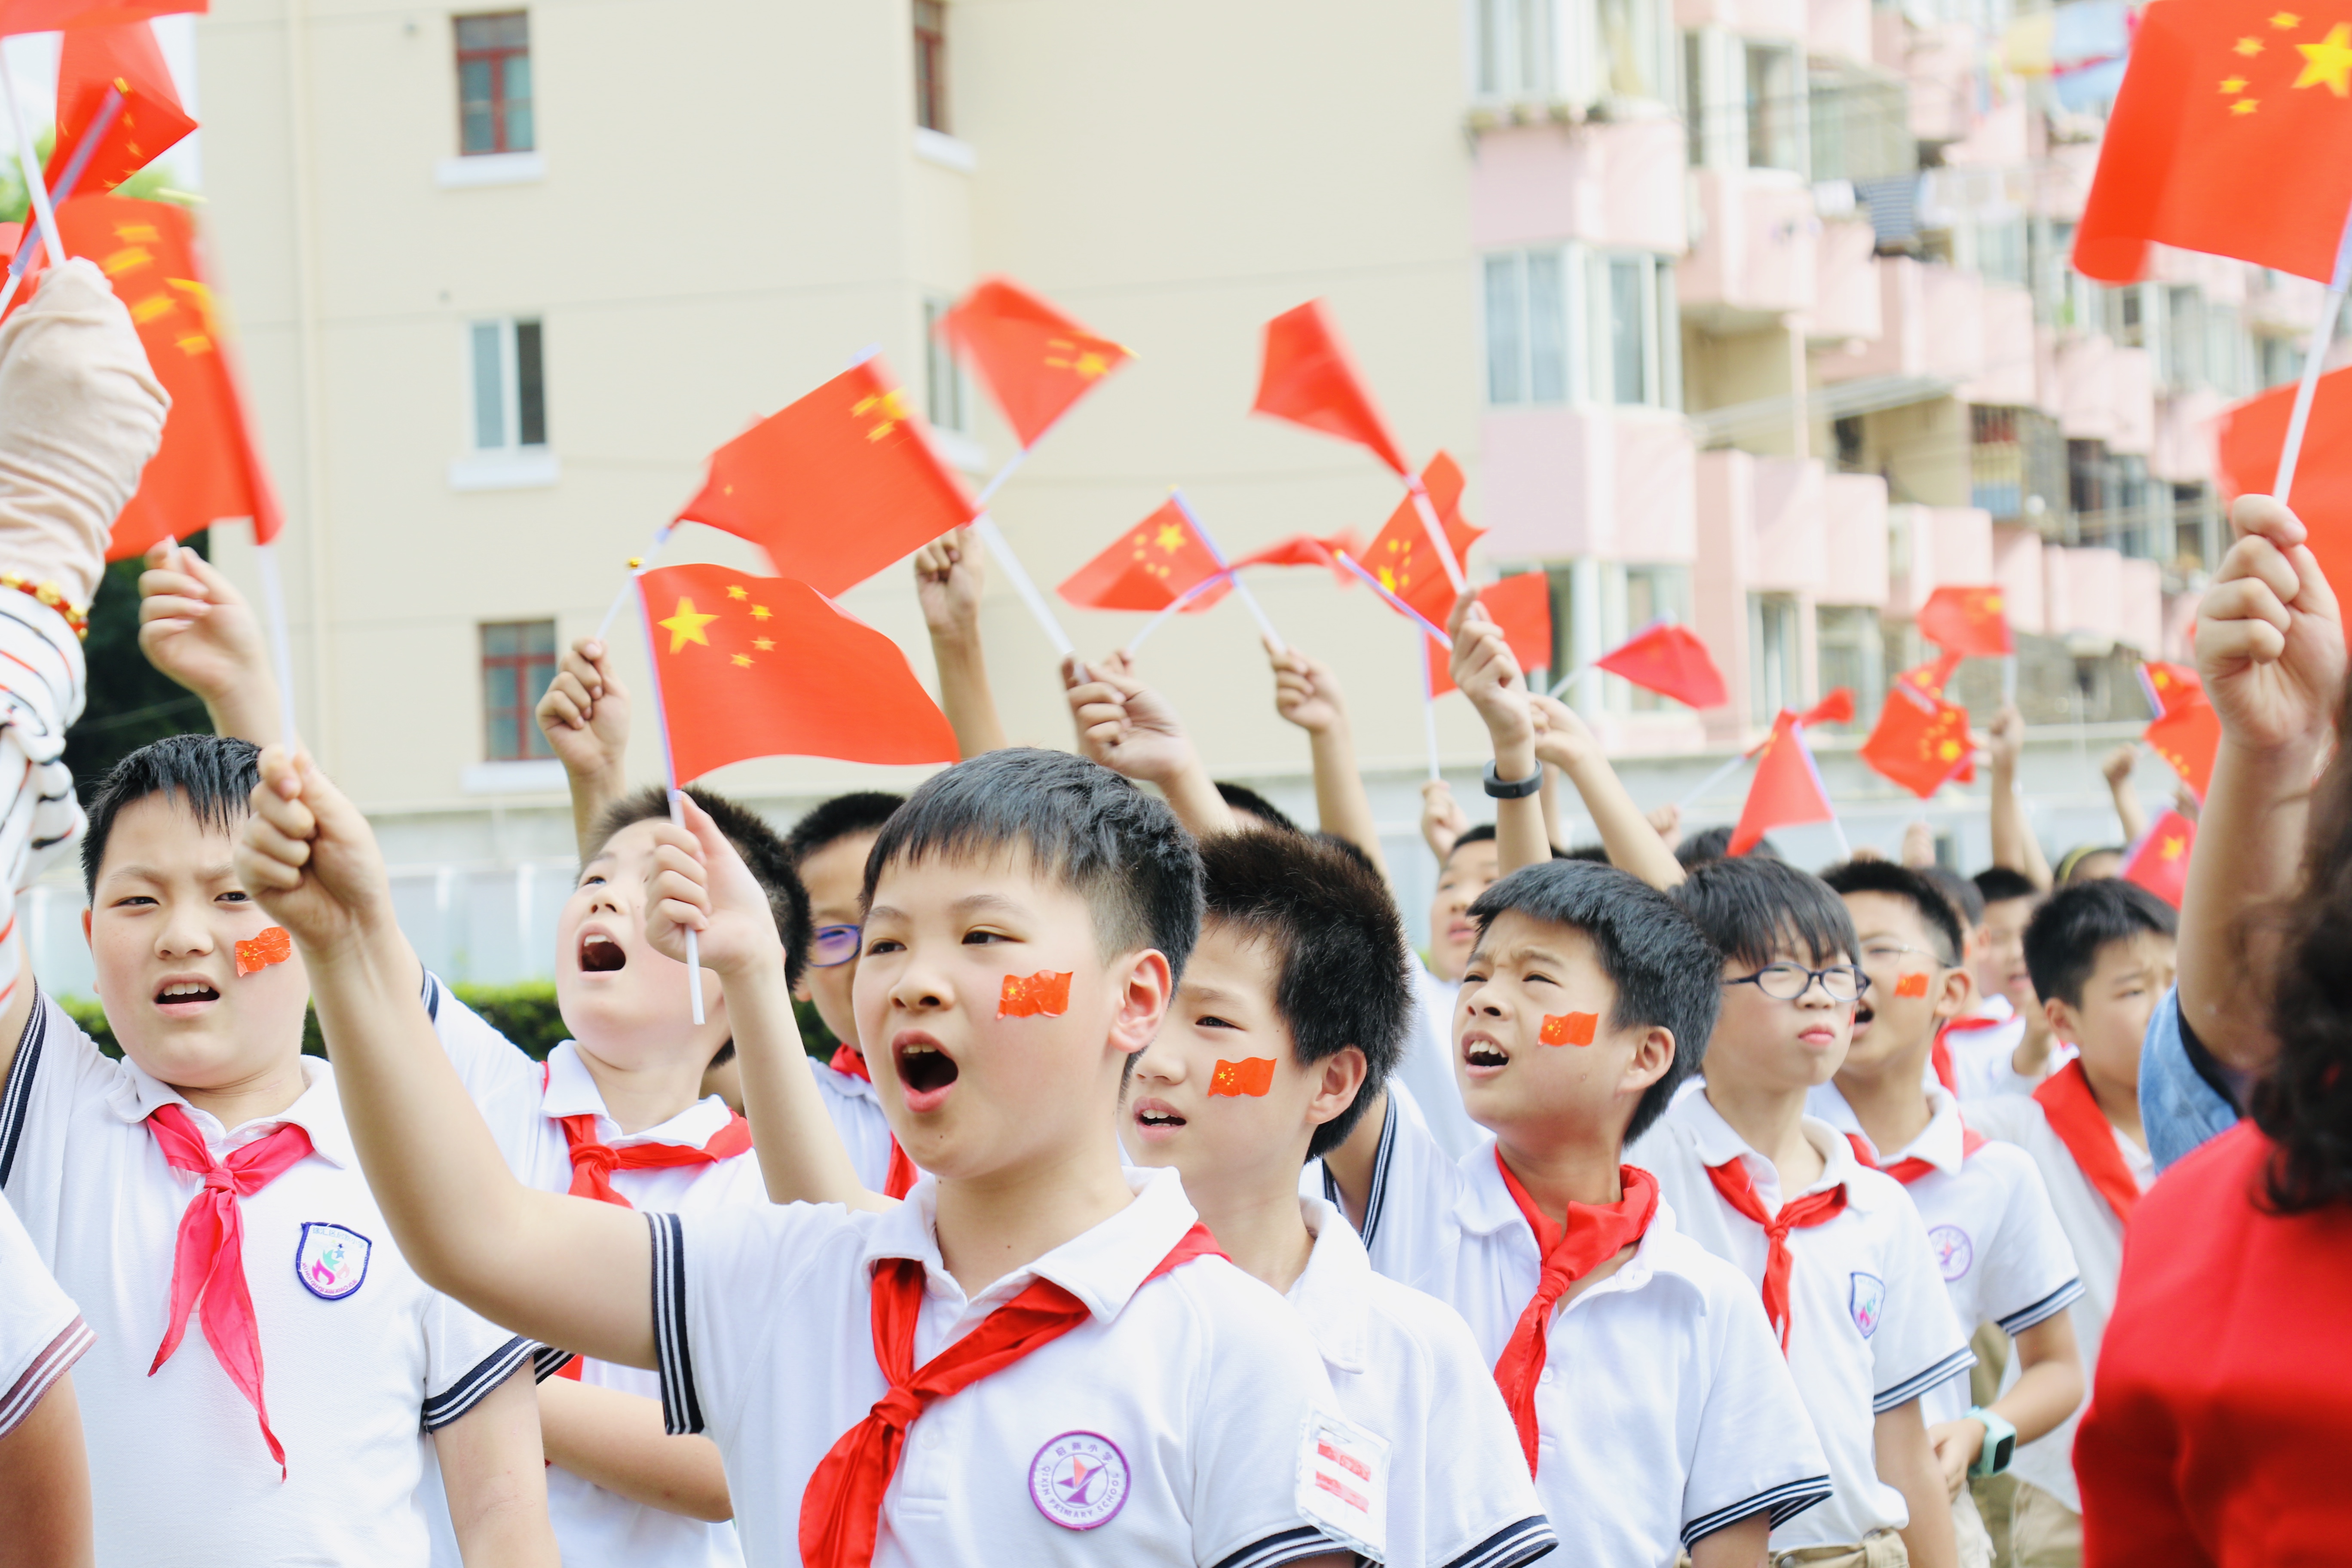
<point x="1932" y="679"/>
<point x="2254" y="433"/>
<point x="2188" y="738"/>
<point x="1147" y="568"/>
<point x="2231" y="134"/>
<point x="2169" y="686"/>
<point x="1309" y="550"/>
<point x="1920" y="741"/>
<point x="1036" y="361"/>
<point x="1521" y="606"/>
<point x="1669" y="660"/>
<point x="1401" y="555"/>
<point x="92" y="60"/>
<point x="1966" y="621"/>
<point x="2159" y="861"/>
<point x="1787" y="789"/>
<point x="1310" y="379"/>
<point x="1252" y="1076"/>
<point x="835" y="487"/>
<point x="209" y="466"/>
<point x="1837" y="707"/>
<point x="765" y="666"/>
<point x="47" y="15"/>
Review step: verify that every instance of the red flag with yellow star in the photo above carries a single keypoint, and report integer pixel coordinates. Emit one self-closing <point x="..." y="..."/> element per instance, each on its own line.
<point x="765" y="666"/>
<point x="1521" y="606"/>
<point x="1401" y="555"/>
<point x="1310" y="378"/>
<point x="1669" y="660"/>
<point x="1147" y="568"/>
<point x="2231" y="134"/>
<point x="1969" y="622"/>
<point x="1920" y="741"/>
<point x="209" y="466"/>
<point x="2254" y="433"/>
<point x="835" y="487"/>
<point x="150" y="123"/>
<point x="2188" y="738"/>
<point x="1035" y="360"/>
<point x="2169" y="686"/>
<point x="2159" y="861"/>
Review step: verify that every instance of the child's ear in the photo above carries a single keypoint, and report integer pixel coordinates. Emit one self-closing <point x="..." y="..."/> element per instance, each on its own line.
<point x="1340" y="1081"/>
<point x="1653" y="1053"/>
<point x="1145" y="991"/>
<point x="2062" y="1021"/>
<point x="85" y="925"/>
<point x="1959" y="986"/>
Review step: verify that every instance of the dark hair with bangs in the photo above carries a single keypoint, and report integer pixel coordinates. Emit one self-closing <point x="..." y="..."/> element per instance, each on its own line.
<point x="209" y="776"/>
<point x="1342" y="974"/>
<point x="1750" y="908"/>
<point x="1714" y="843"/>
<point x="1668" y="975"/>
<point x="2062" y="944"/>
<point x="1999" y="885"/>
<point x="1083" y="825"/>
<point x="1241" y="798"/>
<point x="1884" y="876"/>
<point x="1958" y="892"/>
<point x="762" y="850"/>
<point x="830" y="821"/>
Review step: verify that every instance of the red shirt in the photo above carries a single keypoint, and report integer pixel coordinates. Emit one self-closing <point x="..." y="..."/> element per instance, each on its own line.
<point x="2222" y="1422"/>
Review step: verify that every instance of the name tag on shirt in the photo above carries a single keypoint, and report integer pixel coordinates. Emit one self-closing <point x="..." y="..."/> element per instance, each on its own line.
<point x="1343" y="1488"/>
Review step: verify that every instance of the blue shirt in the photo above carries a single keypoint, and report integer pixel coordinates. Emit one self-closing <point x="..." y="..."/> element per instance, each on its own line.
<point x="2185" y="1096"/>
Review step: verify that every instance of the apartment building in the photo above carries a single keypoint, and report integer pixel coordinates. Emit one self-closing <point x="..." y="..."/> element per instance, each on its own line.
<point x="1754" y="313"/>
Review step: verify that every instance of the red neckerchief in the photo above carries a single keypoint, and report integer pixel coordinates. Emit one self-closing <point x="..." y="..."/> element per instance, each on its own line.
<point x="594" y="1162"/>
<point x="1941" y="1055"/>
<point x="208" y="1257"/>
<point x="900" y="1178"/>
<point x="1594" y="1234"/>
<point x="2074" y="1113"/>
<point x="841" y="1510"/>
<point x="1910" y="1170"/>
<point x="1738" y="1190"/>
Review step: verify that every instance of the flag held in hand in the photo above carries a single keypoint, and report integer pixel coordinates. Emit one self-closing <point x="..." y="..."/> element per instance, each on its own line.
<point x="765" y="666"/>
<point x="1669" y="660"/>
<point x="2159" y="861"/>
<point x="2169" y="686"/>
<point x="835" y="487"/>
<point x="150" y="123"/>
<point x="1521" y="606"/>
<point x="1036" y="361"/>
<point x="1920" y="741"/>
<point x="2188" y="738"/>
<point x="2252" y="435"/>
<point x="1310" y="378"/>
<point x="1401" y="555"/>
<point x="2232" y="135"/>
<point x="1309" y="550"/>
<point x="1970" y="622"/>
<point x="1149" y="567"/>
<point x="1787" y="789"/>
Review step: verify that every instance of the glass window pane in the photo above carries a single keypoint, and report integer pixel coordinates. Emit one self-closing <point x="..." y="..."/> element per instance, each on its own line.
<point x="1505" y="330"/>
<point x="1628" y="330"/>
<point x="1627" y="67"/>
<point x="507" y="30"/>
<point x="531" y="387"/>
<point x="516" y="83"/>
<point x="1490" y="48"/>
<point x="489" y="385"/>
<point x="1535" y="47"/>
<point x="479" y="129"/>
<point x="1547" y="327"/>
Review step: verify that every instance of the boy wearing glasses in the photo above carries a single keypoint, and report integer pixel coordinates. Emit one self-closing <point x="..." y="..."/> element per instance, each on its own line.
<point x="1849" y="1281"/>
<point x="2003" y="1257"/>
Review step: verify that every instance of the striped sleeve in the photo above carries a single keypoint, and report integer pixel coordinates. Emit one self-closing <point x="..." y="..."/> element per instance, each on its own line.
<point x="1781" y="1503"/>
<point x="36" y="1376"/>
<point x="1523" y="1542"/>
<point x="674" y="1357"/>
<point x="41" y="1331"/>
<point x="471" y="1386"/>
<point x="2044" y="1310"/>
<point x="1287" y="1546"/>
<point x="1919" y="1382"/>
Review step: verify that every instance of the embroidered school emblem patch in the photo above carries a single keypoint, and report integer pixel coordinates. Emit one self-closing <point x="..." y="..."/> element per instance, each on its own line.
<point x="1865" y="1298"/>
<point x="1954" y="1250"/>
<point x="1079" y="1481"/>
<point x="330" y="1261"/>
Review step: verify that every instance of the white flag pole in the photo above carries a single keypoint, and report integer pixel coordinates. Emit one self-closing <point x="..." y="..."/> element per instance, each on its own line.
<point x="1571" y="678"/>
<point x="1436" y="531"/>
<point x="36" y="188"/>
<point x="69" y="177"/>
<point x="1173" y="607"/>
<point x="2322" y="334"/>
<point x="1399" y="606"/>
<point x="1428" y="709"/>
<point x="629" y="582"/>
<point x="999" y="550"/>
<point x="273" y="594"/>
<point x="677" y="796"/>
<point x="1738" y="760"/>
<point x="1225" y="569"/>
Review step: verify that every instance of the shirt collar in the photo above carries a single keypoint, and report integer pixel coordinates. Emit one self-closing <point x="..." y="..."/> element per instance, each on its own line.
<point x="1717" y="1140"/>
<point x="138" y="1094"/>
<point x="1103" y="1267"/>
<point x="571" y="1091"/>
<point x="1331" y="1294"/>
<point x="1940" y="1142"/>
<point x="1485" y="1207"/>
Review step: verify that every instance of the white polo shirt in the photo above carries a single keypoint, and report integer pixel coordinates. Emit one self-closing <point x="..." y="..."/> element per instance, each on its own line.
<point x="1427" y="1065"/>
<point x="2096" y="1237"/>
<point x="1664" y="1410"/>
<point x="1871" y="1327"/>
<point x="41" y="1331"/>
<point x="1997" y="1241"/>
<point x="1196" y="1388"/>
<point x="359" y="1371"/>
<point x="857" y="1113"/>
<point x="1403" y="1364"/>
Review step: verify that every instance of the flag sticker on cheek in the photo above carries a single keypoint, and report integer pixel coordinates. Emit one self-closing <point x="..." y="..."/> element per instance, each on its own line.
<point x="1252" y="1076"/>
<point x="257" y="954"/>
<point x="1044" y="994"/>
<point x="1911" y="985"/>
<point x="1569" y="1029"/>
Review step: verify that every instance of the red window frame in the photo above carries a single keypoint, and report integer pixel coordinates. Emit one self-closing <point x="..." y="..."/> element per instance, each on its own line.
<point x="496" y="58"/>
<point x="513" y="680"/>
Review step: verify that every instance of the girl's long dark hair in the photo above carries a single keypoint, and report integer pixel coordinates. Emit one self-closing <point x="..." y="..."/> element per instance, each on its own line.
<point x="2304" y="1105"/>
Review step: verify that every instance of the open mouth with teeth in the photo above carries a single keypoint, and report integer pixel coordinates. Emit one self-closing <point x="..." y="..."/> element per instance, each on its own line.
<point x="185" y="991"/>
<point x="1485" y="1054"/>
<point x="1157" y="1118"/>
<point x="925" y="1070"/>
<point x="600" y="954"/>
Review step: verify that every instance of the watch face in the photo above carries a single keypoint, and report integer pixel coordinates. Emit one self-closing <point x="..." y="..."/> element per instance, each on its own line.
<point x="2002" y="1452"/>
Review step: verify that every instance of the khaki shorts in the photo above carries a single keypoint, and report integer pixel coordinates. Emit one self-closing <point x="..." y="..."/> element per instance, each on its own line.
<point x="1879" y="1549"/>
<point x="2044" y="1532"/>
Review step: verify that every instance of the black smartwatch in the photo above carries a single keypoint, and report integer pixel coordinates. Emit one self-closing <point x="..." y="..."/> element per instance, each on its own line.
<point x="1513" y="789"/>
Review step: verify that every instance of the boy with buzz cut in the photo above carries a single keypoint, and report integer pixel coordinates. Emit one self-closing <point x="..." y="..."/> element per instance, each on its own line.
<point x="2004" y="1257"/>
<point x="2102" y="957"/>
<point x="1038" y="1357"/>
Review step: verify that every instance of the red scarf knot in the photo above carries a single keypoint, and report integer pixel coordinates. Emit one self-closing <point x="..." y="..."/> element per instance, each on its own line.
<point x="1732" y="1181"/>
<point x="900" y="1179"/>
<point x="595" y="1161"/>
<point x="2074" y="1113"/>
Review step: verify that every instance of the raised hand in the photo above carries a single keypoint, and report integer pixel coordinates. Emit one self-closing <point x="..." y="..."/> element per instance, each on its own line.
<point x="1443" y="820"/>
<point x="699" y="883"/>
<point x="1124" y="724"/>
<point x="1306" y="692"/>
<point x="2270" y="637"/>
<point x="947" y="583"/>
<point x="311" y="859"/>
<point x="196" y="628"/>
<point x="2004" y="743"/>
<point x="584" y="713"/>
<point x="1918" y="846"/>
<point x="1562" y="737"/>
<point x="1666" y="822"/>
<point x="2117" y="766"/>
<point x="1488" y="674"/>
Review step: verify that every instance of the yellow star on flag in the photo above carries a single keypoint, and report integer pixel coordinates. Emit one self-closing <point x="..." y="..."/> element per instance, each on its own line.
<point x="737" y="591"/>
<point x="686" y="627"/>
<point x="743" y="660"/>
<point x="2245" y="106"/>
<point x="2285" y="20"/>
<point x="2235" y="84"/>
<point x="2174" y="847"/>
<point x="2248" y="46"/>
<point x="1171" y="538"/>
<point x="760" y="612"/>
<point x="2329" y="60"/>
<point x="765" y="645"/>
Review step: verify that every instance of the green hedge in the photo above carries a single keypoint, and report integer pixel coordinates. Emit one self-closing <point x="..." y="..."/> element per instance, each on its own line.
<point x="525" y="1014"/>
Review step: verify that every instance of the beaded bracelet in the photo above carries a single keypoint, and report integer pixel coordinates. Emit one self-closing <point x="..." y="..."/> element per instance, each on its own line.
<point x="49" y="593"/>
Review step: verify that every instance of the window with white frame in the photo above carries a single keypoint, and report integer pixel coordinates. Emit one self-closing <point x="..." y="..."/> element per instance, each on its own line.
<point x="1773" y="677"/>
<point x="1513" y="51"/>
<point x="1776" y="92"/>
<point x="508" y="384"/>
<point x="1632" y="50"/>
<point x="1636" y="331"/>
<point x="1568" y="323"/>
<point x="1643" y="594"/>
<point x="943" y="383"/>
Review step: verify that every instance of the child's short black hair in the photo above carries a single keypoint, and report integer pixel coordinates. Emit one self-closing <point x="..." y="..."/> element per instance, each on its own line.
<point x="1347" y="846"/>
<point x="1999" y="884"/>
<point x="762" y="850"/>
<point x="1083" y="825"/>
<point x="830" y="821"/>
<point x="1751" y="908"/>
<point x="1594" y="854"/>
<point x="1667" y="973"/>
<point x="1714" y="843"/>
<point x="1342" y="970"/>
<point x="1936" y="912"/>
<point x="1482" y="834"/>
<point x="2062" y="944"/>
<point x="1958" y="892"/>
<point x="212" y="776"/>
<point x="1241" y="798"/>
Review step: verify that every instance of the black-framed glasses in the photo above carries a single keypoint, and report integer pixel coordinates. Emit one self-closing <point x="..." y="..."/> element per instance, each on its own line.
<point x="834" y="946"/>
<point x="1789" y="981"/>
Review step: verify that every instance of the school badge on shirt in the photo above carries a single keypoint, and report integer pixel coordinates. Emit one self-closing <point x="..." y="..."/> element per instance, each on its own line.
<point x="330" y="1261"/>
<point x="1079" y="1481"/>
<point x="1865" y="1298"/>
<point x="1954" y="1250"/>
